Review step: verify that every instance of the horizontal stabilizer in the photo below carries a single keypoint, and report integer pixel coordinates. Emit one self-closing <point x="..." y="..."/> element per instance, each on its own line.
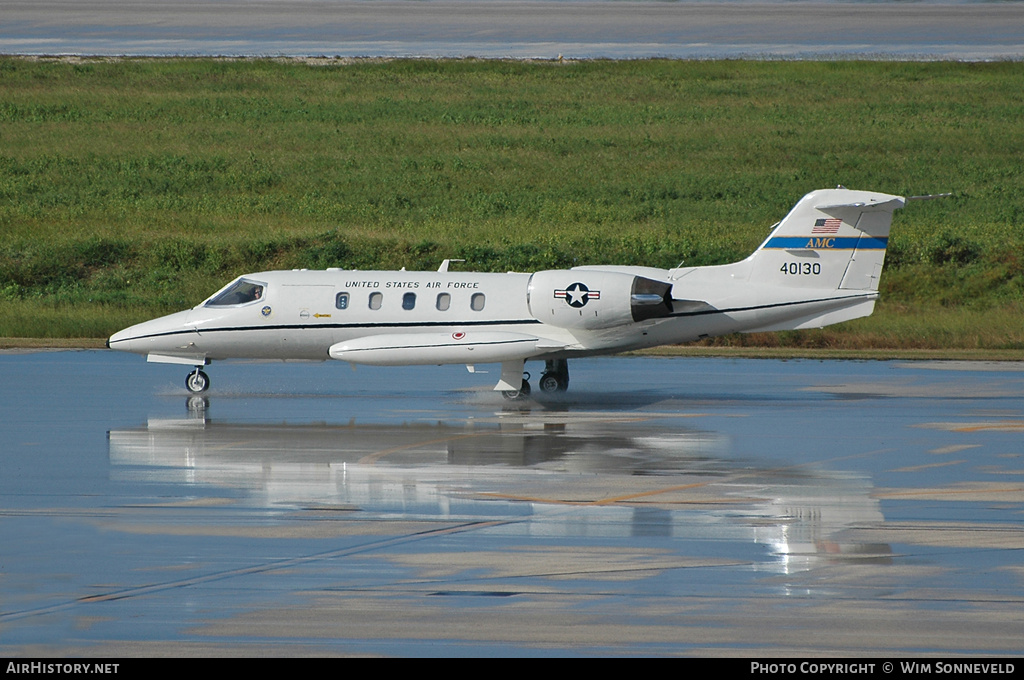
<point x="863" y="206"/>
<point x="460" y="347"/>
<point x="928" y="197"/>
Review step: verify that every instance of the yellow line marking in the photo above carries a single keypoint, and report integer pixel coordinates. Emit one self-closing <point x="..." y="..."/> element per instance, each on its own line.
<point x="372" y="458"/>
<point x="944" y="492"/>
<point x="1005" y="426"/>
<point x="655" y="492"/>
<point x="683" y="487"/>
<point x="917" y="468"/>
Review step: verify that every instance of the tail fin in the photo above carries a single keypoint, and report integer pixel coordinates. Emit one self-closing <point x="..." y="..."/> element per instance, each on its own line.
<point x="832" y="239"/>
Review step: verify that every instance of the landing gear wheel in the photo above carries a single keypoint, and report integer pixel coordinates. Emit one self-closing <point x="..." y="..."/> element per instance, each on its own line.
<point x="516" y="395"/>
<point x="553" y="382"/>
<point x="555" y="377"/>
<point x="197" y="382"/>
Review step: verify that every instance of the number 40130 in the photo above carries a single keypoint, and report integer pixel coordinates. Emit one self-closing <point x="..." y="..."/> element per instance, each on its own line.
<point x="801" y="268"/>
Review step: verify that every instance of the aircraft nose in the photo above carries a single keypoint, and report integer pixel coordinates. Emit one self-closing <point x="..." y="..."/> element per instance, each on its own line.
<point x="122" y="340"/>
<point x="158" y="335"/>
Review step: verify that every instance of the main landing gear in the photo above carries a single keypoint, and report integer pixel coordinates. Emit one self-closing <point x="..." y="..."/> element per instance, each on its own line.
<point x="522" y="393"/>
<point x="197" y="381"/>
<point x="555" y="378"/>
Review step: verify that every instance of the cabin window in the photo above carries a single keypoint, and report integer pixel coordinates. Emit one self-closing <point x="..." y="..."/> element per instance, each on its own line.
<point x="341" y="300"/>
<point x="408" y="301"/>
<point x="376" y="300"/>
<point x="444" y="301"/>
<point x="476" y="302"/>
<point x="238" y="293"/>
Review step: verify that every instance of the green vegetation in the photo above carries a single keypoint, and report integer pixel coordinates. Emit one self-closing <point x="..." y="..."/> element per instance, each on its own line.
<point x="131" y="188"/>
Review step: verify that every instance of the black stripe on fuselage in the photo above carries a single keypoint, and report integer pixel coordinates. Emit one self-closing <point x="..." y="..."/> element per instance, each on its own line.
<point x="520" y="322"/>
<point x="282" y="327"/>
<point x="774" y="305"/>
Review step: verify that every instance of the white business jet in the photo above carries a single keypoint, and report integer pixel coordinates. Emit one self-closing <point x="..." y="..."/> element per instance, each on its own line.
<point x="820" y="265"/>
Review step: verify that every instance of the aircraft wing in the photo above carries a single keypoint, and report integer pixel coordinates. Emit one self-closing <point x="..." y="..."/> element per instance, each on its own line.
<point x="460" y="347"/>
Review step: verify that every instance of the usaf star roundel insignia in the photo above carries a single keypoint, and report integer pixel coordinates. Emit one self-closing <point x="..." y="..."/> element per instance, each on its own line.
<point x="577" y="295"/>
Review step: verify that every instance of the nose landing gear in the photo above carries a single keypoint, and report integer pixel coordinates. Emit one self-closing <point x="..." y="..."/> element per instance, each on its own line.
<point x="197" y="381"/>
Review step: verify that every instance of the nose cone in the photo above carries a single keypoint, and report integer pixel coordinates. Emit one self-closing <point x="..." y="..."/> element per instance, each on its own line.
<point x="169" y="334"/>
<point x="122" y="340"/>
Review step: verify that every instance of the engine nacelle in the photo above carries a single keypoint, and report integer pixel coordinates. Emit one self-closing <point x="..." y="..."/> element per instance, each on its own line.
<point x="591" y="300"/>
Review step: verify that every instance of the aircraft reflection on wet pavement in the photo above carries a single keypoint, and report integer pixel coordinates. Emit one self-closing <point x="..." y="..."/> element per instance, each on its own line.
<point x="570" y="473"/>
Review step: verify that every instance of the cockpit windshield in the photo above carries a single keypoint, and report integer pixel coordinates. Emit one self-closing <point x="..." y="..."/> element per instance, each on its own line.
<point x="238" y="293"/>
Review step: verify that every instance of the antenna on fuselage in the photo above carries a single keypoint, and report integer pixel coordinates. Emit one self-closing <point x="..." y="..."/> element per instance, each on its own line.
<point x="444" y="265"/>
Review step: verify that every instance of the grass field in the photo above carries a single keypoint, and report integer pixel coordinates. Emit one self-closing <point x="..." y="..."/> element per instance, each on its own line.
<point x="130" y="188"/>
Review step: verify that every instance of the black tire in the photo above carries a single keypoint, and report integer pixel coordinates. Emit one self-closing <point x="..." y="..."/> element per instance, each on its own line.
<point x="550" y="383"/>
<point x="516" y="395"/>
<point x="197" y="382"/>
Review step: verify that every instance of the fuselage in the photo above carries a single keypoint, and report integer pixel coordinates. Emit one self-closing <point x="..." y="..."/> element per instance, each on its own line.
<point x="301" y="314"/>
<point x="405" y="317"/>
<point x="820" y="265"/>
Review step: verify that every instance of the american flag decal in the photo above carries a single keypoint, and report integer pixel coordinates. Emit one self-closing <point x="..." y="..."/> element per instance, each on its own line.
<point x="826" y="226"/>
